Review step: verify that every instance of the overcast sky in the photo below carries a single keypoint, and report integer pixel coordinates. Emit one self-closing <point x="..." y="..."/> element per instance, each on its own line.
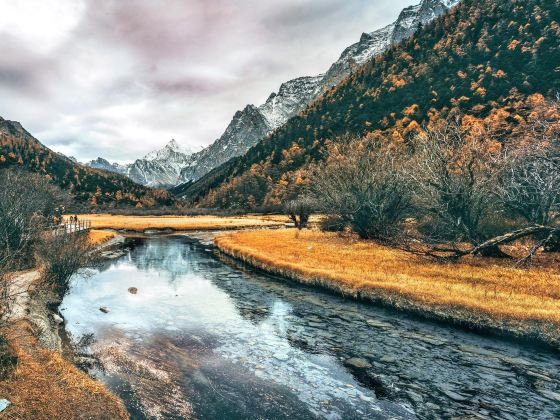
<point x="119" y="78"/>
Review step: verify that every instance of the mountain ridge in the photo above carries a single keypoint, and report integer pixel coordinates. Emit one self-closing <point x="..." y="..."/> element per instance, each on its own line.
<point x="89" y="186"/>
<point x="486" y="56"/>
<point x="295" y="95"/>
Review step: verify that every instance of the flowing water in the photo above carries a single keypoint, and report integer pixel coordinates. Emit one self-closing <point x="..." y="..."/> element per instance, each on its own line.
<point x="205" y="338"/>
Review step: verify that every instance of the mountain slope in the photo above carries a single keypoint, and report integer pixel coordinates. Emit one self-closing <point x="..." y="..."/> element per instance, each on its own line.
<point x="245" y="130"/>
<point x="485" y="55"/>
<point x="295" y="95"/>
<point x="18" y="148"/>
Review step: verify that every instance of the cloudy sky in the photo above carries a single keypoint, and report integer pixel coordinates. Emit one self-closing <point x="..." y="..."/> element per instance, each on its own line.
<point x="119" y="78"/>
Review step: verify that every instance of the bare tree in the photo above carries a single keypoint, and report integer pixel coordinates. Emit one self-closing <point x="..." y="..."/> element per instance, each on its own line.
<point x="299" y="211"/>
<point x="362" y="185"/>
<point x="454" y="172"/>
<point x="27" y="203"/>
<point x="531" y="185"/>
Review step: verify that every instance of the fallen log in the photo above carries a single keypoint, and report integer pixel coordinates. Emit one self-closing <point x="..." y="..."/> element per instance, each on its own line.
<point x="491" y="248"/>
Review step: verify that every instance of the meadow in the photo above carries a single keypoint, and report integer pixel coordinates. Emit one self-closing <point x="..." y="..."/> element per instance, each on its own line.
<point x="477" y="291"/>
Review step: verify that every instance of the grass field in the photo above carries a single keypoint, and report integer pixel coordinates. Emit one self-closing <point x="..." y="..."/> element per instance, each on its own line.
<point x="181" y="223"/>
<point x="46" y="386"/>
<point x="477" y="290"/>
<point x="98" y="237"/>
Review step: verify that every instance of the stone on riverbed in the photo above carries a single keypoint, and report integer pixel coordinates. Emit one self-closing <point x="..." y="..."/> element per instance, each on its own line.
<point x="378" y="324"/>
<point x="4" y="404"/>
<point x="358" y="362"/>
<point x="57" y="319"/>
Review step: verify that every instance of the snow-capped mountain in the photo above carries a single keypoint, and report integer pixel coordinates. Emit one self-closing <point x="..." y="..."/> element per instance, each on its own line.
<point x="252" y="124"/>
<point x="160" y="168"/>
<point x="104" y="164"/>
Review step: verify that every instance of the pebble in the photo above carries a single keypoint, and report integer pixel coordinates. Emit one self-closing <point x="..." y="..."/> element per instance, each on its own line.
<point x="551" y="395"/>
<point x="281" y="356"/>
<point x="454" y="396"/>
<point x="365" y="398"/>
<point x="58" y="319"/>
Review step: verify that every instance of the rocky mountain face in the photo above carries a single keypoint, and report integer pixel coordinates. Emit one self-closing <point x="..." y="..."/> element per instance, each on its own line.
<point x="291" y="99"/>
<point x="160" y="168"/>
<point x="252" y="124"/>
<point x="246" y="129"/>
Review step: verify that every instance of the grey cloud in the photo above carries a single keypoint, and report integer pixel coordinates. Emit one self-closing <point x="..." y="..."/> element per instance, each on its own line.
<point x="131" y="74"/>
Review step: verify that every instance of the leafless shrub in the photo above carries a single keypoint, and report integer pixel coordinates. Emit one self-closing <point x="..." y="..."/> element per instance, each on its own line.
<point x="362" y="184"/>
<point x="531" y="185"/>
<point x="62" y="255"/>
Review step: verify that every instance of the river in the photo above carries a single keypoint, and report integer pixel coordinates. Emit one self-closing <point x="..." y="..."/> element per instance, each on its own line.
<point x="206" y="338"/>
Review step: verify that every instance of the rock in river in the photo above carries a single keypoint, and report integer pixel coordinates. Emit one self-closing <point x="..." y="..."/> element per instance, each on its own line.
<point x="358" y="362"/>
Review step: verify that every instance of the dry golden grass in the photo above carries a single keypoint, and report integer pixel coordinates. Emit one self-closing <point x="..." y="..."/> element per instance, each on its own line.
<point x="476" y="286"/>
<point x="97" y="237"/>
<point x="107" y="221"/>
<point x="46" y="386"/>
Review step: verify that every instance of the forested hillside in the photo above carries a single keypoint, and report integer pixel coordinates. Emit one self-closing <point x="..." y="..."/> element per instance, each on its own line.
<point x="90" y="187"/>
<point x="484" y="59"/>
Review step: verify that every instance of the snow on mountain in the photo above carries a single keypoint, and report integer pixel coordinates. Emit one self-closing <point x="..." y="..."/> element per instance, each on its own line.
<point x="104" y="164"/>
<point x="291" y="99"/>
<point x="160" y="168"/>
<point x="252" y="124"/>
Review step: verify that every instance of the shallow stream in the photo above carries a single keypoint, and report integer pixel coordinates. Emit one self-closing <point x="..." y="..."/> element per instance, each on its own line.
<point x="206" y="338"/>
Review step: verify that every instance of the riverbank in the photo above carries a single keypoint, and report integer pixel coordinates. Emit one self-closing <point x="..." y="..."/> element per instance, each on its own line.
<point x="477" y="293"/>
<point x="182" y="223"/>
<point x="38" y="376"/>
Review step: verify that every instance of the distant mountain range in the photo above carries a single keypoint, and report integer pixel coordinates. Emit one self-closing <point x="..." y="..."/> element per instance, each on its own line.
<point x="254" y="123"/>
<point x="160" y="168"/>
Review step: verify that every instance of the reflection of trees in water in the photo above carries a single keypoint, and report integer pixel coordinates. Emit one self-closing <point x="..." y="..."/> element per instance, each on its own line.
<point x="173" y="256"/>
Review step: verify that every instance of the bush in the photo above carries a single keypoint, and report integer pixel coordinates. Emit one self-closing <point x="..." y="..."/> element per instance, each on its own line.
<point x="362" y="184"/>
<point x="63" y="255"/>
<point x="332" y="224"/>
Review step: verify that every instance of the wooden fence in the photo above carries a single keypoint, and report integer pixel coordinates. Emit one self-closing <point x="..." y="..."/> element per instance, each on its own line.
<point x="69" y="226"/>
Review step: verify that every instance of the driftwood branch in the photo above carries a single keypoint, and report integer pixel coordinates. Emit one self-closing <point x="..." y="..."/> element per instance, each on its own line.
<point x="548" y="232"/>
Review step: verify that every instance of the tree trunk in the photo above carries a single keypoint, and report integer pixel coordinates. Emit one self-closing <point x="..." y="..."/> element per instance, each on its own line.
<point x="493" y="251"/>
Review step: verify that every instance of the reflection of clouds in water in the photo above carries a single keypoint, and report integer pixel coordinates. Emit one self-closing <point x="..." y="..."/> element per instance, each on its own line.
<point x="177" y="293"/>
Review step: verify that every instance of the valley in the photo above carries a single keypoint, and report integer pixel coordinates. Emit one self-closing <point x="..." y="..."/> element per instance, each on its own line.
<point x="379" y="240"/>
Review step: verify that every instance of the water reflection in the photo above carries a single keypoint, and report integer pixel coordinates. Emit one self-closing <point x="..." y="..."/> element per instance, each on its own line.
<point x="202" y="338"/>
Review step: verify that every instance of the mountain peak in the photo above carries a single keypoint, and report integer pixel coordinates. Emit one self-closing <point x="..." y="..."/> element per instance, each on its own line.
<point x="164" y="153"/>
<point x="173" y="145"/>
